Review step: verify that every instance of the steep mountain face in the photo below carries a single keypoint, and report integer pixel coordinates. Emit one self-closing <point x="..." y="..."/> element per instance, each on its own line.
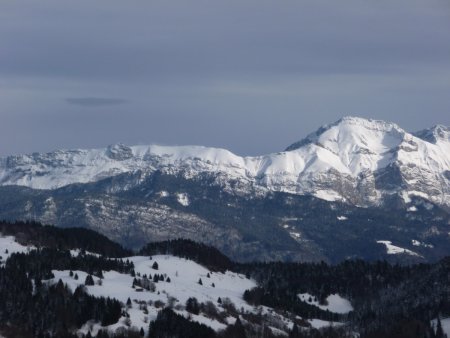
<point x="328" y="197"/>
<point x="376" y="160"/>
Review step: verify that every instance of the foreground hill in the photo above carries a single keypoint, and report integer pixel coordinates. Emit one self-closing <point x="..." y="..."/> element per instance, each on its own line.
<point x="51" y="292"/>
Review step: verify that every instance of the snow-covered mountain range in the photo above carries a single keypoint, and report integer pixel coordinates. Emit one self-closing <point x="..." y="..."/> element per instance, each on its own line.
<point x="358" y="161"/>
<point x="355" y="188"/>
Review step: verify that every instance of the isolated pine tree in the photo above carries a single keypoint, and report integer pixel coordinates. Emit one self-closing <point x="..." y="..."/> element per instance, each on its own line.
<point x="155" y="266"/>
<point x="294" y="332"/>
<point x="192" y="306"/>
<point x="439" y="330"/>
<point x="200" y="281"/>
<point x="89" y="280"/>
<point x="236" y="331"/>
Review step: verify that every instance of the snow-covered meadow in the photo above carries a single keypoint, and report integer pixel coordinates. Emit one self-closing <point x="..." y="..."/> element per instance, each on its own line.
<point x="181" y="279"/>
<point x="184" y="276"/>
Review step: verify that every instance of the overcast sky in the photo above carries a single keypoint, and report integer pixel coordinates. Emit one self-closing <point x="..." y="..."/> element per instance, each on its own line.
<point x="250" y="76"/>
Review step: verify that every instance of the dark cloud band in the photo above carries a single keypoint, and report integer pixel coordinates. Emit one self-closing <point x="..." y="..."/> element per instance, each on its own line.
<point x="95" y="101"/>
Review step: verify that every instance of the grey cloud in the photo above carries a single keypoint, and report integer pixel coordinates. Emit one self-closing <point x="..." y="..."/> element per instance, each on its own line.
<point x="95" y="101"/>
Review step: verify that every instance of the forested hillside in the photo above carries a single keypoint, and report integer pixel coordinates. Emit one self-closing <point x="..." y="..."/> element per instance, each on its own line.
<point x="76" y="283"/>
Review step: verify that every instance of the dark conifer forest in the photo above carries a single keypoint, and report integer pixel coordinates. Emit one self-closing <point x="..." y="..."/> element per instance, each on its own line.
<point x="392" y="301"/>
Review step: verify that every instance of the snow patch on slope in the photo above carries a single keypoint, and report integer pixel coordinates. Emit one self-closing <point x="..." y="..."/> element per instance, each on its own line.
<point x="418" y="243"/>
<point x="8" y="246"/>
<point x="335" y="303"/>
<point x="394" y="250"/>
<point x="445" y="323"/>
<point x="183" y="199"/>
<point x="320" y="324"/>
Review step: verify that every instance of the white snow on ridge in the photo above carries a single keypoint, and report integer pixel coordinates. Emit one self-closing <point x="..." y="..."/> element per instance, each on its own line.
<point x="335" y="303"/>
<point x="350" y="148"/>
<point x="394" y="250"/>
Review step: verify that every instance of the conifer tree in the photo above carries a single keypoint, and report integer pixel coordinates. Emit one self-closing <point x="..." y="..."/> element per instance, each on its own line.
<point x="89" y="280"/>
<point x="439" y="330"/>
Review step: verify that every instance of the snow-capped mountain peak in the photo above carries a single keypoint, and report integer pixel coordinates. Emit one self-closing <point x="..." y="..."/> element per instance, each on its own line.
<point x="359" y="143"/>
<point x="351" y="129"/>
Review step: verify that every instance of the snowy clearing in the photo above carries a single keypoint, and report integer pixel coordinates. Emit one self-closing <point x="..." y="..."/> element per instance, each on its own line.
<point x="184" y="283"/>
<point x="336" y="303"/>
<point x="8" y="246"/>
